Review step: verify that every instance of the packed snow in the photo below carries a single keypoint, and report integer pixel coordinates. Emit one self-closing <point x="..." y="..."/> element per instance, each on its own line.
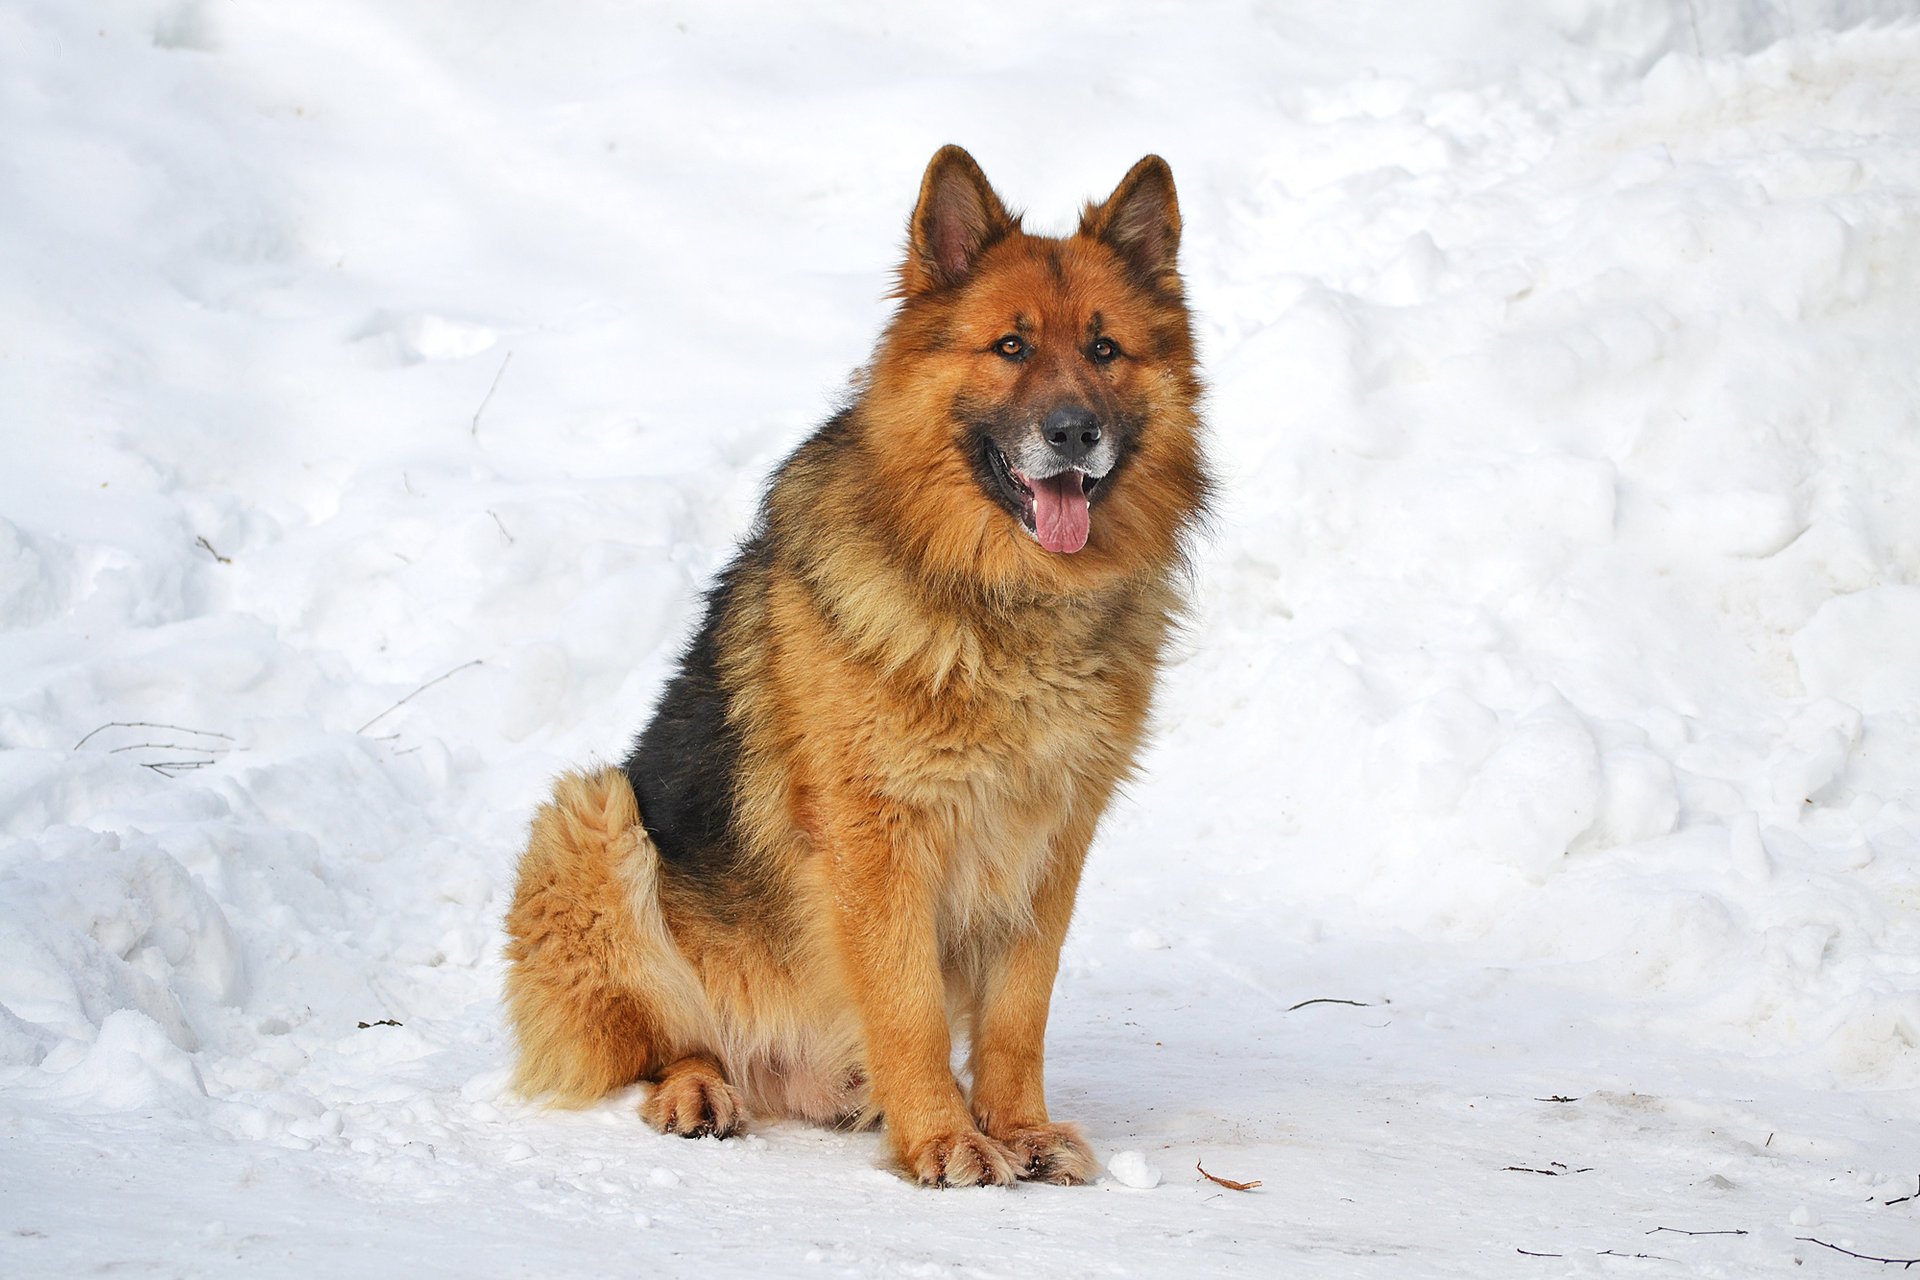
<point x="1525" y="879"/>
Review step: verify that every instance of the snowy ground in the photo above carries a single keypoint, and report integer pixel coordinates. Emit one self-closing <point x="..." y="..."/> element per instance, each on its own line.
<point x="1551" y="692"/>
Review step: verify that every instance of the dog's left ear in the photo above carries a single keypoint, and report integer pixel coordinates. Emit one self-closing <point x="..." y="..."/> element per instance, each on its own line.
<point x="1141" y="220"/>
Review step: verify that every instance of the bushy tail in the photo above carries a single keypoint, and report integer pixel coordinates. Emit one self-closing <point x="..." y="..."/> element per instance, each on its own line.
<point x="584" y="952"/>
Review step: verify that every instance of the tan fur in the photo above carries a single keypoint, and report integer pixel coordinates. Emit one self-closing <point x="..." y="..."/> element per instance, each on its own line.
<point x="933" y="712"/>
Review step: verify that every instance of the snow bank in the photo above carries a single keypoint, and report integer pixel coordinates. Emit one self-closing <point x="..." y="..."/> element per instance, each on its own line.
<point x="382" y="384"/>
<point x="1583" y="579"/>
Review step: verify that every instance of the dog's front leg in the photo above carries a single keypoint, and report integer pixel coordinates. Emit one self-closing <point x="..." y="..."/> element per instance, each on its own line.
<point x="884" y="879"/>
<point x="1013" y="992"/>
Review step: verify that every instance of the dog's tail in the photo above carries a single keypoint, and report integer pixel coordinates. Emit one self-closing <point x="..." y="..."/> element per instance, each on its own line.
<point x="596" y="991"/>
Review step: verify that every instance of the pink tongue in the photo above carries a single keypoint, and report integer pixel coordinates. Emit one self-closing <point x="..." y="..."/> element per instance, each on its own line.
<point x="1060" y="512"/>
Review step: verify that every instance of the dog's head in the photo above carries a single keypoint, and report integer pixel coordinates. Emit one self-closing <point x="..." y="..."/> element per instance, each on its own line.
<point x="1035" y="397"/>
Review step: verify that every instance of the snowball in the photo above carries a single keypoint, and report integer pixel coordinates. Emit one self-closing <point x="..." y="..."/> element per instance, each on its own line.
<point x="1130" y="1169"/>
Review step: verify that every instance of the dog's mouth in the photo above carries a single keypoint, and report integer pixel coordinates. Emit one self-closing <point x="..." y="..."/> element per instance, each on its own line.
<point x="1057" y="509"/>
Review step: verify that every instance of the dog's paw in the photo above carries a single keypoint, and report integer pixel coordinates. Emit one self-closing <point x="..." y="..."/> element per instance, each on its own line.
<point x="1055" y="1153"/>
<point x="964" y="1159"/>
<point x="694" y="1104"/>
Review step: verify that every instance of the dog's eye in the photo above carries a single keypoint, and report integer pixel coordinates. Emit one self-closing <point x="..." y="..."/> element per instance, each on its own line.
<point x="1012" y="346"/>
<point x="1104" y="349"/>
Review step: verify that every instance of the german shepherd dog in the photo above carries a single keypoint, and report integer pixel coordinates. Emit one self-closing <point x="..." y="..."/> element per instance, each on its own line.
<point x="855" y="825"/>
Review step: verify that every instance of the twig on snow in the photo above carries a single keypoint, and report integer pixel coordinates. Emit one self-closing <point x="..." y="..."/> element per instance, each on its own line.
<point x="156" y="746"/>
<point x="1228" y="1183"/>
<point x="166" y="768"/>
<point x="1358" y="1004"/>
<point x="416" y="693"/>
<point x="1680" y="1231"/>
<point x="150" y="724"/>
<point x="1902" y="1263"/>
<point x="202" y="541"/>
<point x="488" y="399"/>
<point x="1531" y="1254"/>
<point x="1914" y="1196"/>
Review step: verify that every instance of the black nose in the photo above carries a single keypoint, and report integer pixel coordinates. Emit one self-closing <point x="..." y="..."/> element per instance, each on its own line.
<point x="1072" y="431"/>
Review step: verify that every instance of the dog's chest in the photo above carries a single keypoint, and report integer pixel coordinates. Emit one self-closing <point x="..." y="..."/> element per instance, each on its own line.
<point x="996" y="781"/>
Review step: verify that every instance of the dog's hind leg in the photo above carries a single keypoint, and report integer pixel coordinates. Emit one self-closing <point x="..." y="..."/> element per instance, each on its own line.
<point x="598" y="995"/>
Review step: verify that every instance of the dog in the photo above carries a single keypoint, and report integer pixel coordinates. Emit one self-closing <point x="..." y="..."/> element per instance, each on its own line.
<point x="854" y="827"/>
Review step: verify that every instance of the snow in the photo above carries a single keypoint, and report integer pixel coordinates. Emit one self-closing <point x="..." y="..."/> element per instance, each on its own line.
<point x="1529" y="856"/>
<point x="1131" y="1169"/>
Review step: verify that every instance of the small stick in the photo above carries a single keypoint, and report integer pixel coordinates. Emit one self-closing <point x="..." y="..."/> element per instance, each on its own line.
<point x="1679" y="1231"/>
<point x="1228" y="1183"/>
<point x="1531" y="1254"/>
<point x="1902" y="1263"/>
<point x="503" y="527"/>
<point x="1904" y="1199"/>
<point x="491" y="388"/>
<point x="1358" y="1004"/>
<point x="416" y="693"/>
<point x="164" y="767"/>
<point x="210" y="551"/>
<point x="150" y="724"/>
<point x="160" y="746"/>
<point x="1558" y="1097"/>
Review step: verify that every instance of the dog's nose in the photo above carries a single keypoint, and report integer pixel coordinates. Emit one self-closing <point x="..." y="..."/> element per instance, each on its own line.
<point x="1072" y="431"/>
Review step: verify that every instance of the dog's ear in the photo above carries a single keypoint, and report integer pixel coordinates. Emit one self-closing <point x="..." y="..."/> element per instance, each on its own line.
<point x="1141" y="221"/>
<point x="957" y="219"/>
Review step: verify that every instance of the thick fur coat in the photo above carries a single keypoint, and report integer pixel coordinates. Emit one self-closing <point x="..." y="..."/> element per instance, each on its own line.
<point x="853" y="831"/>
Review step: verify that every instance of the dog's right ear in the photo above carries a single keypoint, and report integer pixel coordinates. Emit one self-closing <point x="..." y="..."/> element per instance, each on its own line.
<point x="957" y="219"/>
